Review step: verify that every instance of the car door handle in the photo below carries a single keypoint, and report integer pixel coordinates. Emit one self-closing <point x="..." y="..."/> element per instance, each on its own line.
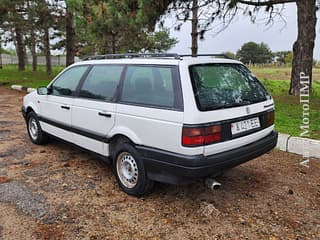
<point x="108" y="115"/>
<point x="65" y="107"/>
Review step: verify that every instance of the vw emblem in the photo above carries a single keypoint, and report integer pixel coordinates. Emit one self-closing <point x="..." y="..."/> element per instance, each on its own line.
<point x="248" y="110"/>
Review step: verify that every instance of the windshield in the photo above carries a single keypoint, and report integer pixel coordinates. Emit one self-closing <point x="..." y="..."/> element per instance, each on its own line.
<point x="225" y="85"/>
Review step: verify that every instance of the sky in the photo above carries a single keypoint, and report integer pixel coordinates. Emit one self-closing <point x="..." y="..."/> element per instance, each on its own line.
<point x="279" y="37"/>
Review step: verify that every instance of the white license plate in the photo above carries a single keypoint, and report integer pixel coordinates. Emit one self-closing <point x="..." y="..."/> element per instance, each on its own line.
<point x="245" y="125"/>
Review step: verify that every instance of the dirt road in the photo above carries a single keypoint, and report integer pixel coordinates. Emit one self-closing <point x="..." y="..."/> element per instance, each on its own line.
<point x="58" y="192"/>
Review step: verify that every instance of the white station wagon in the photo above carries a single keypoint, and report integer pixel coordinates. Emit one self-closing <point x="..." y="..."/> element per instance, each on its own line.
<point x="162" y="117"/>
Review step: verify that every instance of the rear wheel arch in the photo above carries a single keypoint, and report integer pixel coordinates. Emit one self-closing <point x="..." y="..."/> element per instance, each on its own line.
<point x="130" y="171"/>
<point x="117" y="140"/>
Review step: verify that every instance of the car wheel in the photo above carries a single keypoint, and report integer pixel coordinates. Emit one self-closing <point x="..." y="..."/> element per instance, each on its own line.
<point x="35" y="132"/>
<point x="130" y="172"/>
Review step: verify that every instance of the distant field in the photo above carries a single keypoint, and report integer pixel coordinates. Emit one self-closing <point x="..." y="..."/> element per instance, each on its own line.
<point x="276" y="80"/>
<point x="280" y="73"/>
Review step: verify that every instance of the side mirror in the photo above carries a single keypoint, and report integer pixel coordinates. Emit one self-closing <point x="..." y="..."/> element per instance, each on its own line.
<point x="42" y="91"/>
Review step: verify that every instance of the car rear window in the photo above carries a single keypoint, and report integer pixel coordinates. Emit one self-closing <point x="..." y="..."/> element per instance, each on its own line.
<point x="219" y="86"/>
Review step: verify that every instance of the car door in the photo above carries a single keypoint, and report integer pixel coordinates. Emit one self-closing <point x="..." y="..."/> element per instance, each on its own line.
<point x="56" y="107"/>
<point x="93" y="112"/>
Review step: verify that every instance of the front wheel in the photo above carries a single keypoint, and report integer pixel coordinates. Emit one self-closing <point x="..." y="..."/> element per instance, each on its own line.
<point x="35" y="132"/>
<point x="130" y="172"/>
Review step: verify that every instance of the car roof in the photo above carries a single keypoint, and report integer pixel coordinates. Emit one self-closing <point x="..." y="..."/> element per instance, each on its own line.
<point x="131" y="61"/>
<point x="156" y="59"/>
<point x="159" y="61"/>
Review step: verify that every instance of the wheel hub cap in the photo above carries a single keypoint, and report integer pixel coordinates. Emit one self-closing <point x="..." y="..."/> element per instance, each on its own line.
<point x="127" y="170"/>
<point x="33" y="128"/>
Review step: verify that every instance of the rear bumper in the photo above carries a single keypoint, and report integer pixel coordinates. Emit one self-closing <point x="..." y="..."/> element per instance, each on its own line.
<point x="175" y="168"/>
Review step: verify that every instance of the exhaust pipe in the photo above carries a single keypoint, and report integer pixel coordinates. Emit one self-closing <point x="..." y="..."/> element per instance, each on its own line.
<point x="212" y="184"/>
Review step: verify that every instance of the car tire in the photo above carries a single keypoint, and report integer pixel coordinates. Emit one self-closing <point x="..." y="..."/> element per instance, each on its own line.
<point x="130" y="172"/>
<point x="36" y="135"/>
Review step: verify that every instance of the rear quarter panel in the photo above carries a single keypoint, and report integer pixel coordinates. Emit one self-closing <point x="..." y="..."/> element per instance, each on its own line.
<point x="152" y="127"/>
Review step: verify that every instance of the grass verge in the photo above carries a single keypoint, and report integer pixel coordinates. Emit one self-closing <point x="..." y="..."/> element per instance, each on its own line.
<point x="9" y="75"/>
<point x="289" y="109"/>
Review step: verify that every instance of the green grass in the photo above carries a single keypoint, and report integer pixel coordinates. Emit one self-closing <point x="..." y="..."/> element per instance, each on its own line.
<point x="288" y="108"/>
<point x="276" y="80"/>
<point x="10" y="75"/>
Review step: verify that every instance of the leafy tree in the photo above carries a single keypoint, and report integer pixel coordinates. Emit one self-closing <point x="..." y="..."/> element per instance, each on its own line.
<point x="118" y="27"/>
<point x="252" y="52"/>
<point x="152" y="42"/>
<point x="230" y="55"/>
<point x="283" y="57"/>
<point x="289" y="58"/>
<point x="160" y="41"/>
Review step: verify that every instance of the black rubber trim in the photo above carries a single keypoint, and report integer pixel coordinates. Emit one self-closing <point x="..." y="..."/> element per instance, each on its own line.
<point x="24" y="112"/>
<point x="99" y="156"/>
<point x="175" y="168"/>
<point x="82" y="132"/>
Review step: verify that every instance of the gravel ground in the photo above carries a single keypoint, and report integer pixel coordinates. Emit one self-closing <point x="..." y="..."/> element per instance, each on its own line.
<point x="58" y="192"/>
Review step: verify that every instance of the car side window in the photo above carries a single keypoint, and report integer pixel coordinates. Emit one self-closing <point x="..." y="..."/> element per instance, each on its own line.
<point x="149" y="85"/>
<point x="101" y="82"/>
<point x="66" y="84"/>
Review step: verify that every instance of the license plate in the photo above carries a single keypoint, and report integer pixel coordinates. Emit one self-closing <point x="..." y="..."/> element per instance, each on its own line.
<point x="245" y="125"/>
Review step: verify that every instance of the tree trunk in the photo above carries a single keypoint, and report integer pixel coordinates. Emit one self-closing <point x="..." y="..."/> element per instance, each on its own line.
<point x="32" y="45"/>
<point x="0" y="54"/>
<point x="70" y="38"/>
<point x="20" y="48"/>
<point x="113" y="42"/>
<point x="194" y="32"/>
<point x="304" y="45"/>
<point x="47" y="48"/>
<point x="33" y="51"/>
<point x="106" y="44"/>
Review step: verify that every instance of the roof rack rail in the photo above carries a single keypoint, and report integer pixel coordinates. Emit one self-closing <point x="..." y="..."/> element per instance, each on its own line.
<point x="152" y="55"/>
<point x="207" y="55"/>
<point x="133" y="55"/>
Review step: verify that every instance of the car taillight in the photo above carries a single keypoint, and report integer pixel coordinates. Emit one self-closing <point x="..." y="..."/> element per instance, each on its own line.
<point x="199" y="136"/>
<point x="269" y="118"/>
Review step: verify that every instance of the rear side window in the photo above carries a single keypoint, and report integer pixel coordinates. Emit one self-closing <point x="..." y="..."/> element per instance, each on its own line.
<point x="66" y="84"/>
<point x="149" y="85"/>
<point x="218" y="86"/>
<point x="101" y="83"/>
